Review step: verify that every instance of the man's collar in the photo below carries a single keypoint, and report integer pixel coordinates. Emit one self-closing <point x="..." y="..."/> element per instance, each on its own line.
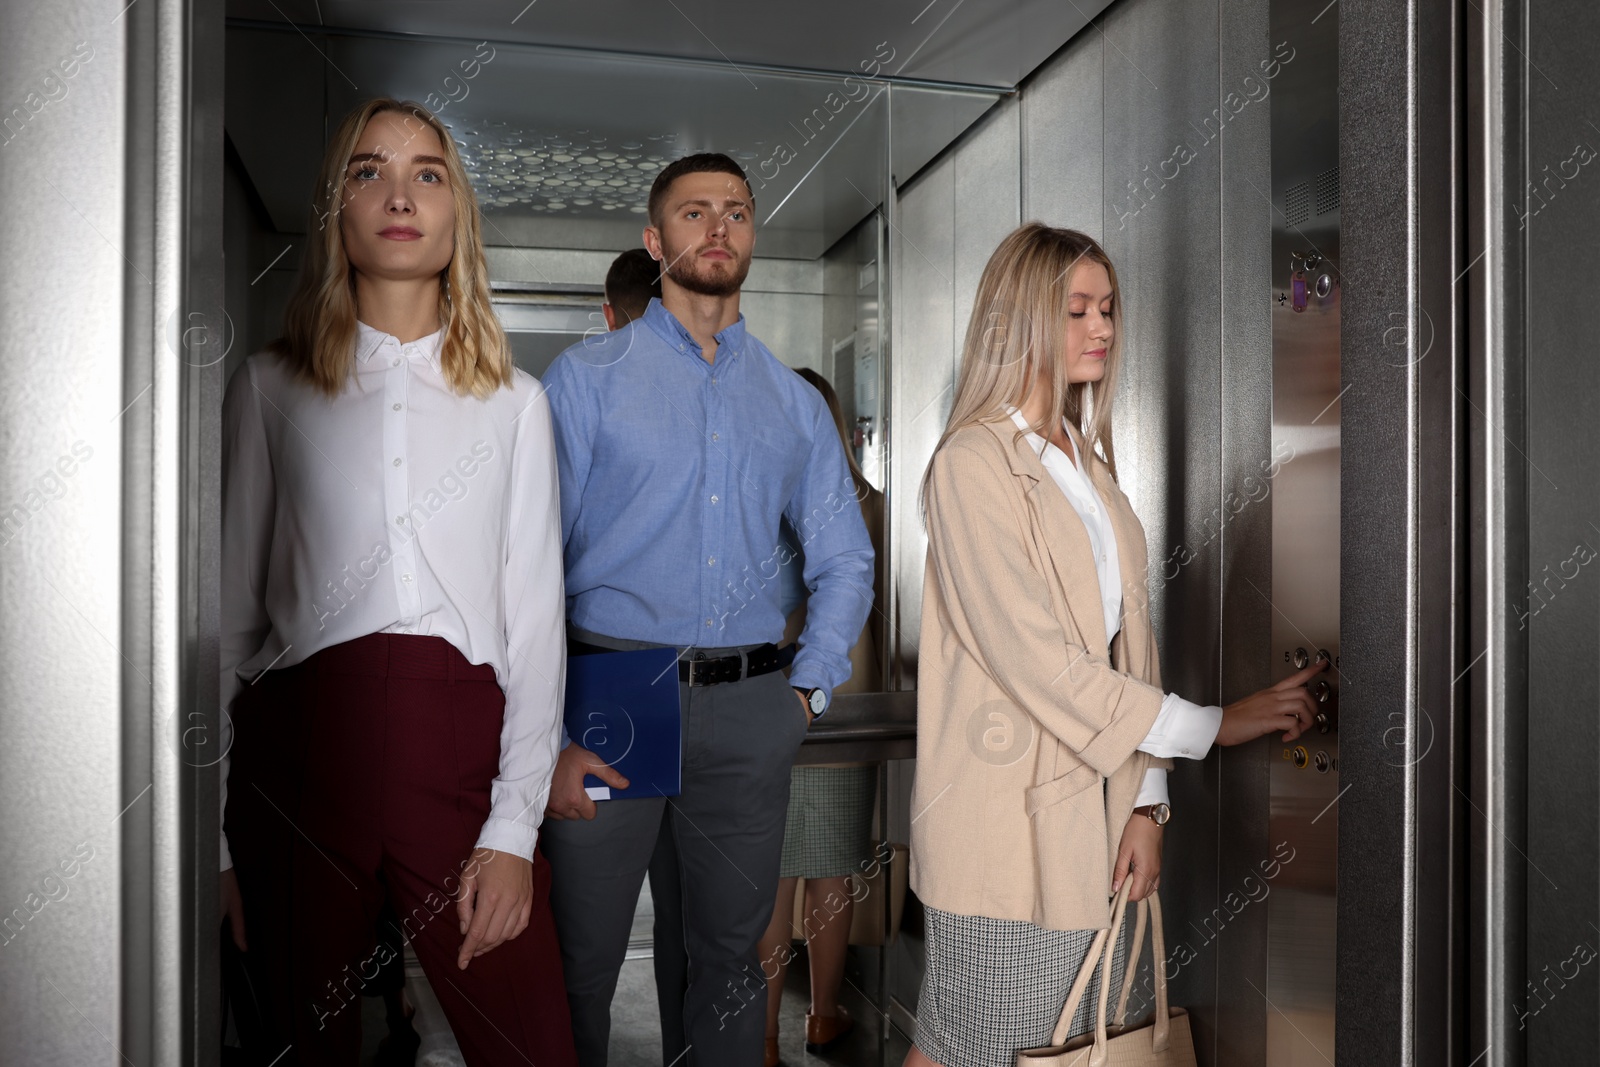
<point x="730" y="338"/>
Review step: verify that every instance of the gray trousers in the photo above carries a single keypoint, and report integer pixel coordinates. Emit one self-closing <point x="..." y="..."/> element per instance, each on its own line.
<point x="739" y="742"/>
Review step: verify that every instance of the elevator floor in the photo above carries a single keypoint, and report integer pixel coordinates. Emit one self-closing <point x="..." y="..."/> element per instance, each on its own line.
<point x="636" y="1019"/>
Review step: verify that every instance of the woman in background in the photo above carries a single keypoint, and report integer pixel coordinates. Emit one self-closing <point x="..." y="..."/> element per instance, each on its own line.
<point x="829" y="828"/>
<point x="393" y="628"/>
<point x="1043" y="734"/>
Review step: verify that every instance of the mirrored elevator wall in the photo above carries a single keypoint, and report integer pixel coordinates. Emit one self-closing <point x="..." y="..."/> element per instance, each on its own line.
<point x="1150" y="131"/>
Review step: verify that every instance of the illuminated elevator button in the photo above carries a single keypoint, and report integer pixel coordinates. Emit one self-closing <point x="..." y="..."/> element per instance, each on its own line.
<point x="1300" y="756"/>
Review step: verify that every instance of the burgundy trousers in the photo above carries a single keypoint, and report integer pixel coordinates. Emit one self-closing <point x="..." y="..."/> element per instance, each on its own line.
<point x="360" y="774"/>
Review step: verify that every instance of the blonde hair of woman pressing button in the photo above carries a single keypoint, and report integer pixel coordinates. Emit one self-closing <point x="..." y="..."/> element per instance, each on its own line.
<point x="1043" y="734"/>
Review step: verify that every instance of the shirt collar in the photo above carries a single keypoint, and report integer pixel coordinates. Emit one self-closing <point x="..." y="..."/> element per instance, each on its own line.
<point x="1043" y="444"/>
<point x="369" y="341"/>
<point x="730" y="339"/>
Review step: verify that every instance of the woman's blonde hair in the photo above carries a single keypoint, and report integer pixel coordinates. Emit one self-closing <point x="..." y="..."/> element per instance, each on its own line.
<point x="319" y="325"/>
<point x="1020" y="318"/>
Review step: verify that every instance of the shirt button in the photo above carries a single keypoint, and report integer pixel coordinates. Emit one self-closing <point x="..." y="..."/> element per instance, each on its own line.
<point x="708" y="622"/>
<point x="397" y="461"/>
<point x="714" y="498"/>
<point x="397" y="407"/>
<point x="399" y="520"/>
<point x="681" y="348"/>
<point x="713" y="381"/>
<point x="405" y="577"/>
<point x="1092" y="511"/>
<point x="711" y="561"/>
<point x="1183" y="752"/>
<point x="716" y="437"/>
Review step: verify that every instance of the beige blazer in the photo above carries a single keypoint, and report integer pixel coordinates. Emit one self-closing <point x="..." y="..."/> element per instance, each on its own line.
<point x="1027" y="724"/>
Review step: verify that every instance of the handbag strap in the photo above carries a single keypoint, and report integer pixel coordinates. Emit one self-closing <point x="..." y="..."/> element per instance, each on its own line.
<point x="1132" y="969"/>
<point x="1086" y="970"/>
<point x="1105" y="941"/>
<point x="1158" y="943"/>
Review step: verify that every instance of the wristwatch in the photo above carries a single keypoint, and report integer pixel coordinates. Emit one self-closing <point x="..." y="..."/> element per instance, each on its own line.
<point x="816" y="700"/>
<point x="1156" y="813"/>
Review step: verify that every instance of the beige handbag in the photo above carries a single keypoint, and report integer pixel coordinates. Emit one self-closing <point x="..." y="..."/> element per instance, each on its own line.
<point x="1162" y="1041"/>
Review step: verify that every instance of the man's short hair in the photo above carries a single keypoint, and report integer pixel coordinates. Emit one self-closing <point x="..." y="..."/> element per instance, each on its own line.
<point x="699" y="163"/>
<point x="630" y="283"/>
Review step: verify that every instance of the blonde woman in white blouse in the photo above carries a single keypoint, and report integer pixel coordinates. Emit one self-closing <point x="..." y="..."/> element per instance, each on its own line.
<point x="393" y="640"/>
<point x="1043" y="734"/>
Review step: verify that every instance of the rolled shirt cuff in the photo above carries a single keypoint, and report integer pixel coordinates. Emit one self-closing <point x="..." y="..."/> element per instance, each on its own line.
<point x="1182" y="729"/>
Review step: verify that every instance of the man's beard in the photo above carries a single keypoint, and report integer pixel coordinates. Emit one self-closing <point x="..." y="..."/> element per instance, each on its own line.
<point x="689" y="272"/>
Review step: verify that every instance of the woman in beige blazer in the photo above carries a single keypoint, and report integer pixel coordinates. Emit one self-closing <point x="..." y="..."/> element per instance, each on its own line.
<point x="1043" y="735"/>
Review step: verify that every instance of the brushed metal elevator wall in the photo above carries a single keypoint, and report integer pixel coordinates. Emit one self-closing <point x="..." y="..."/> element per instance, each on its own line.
<point x="1304" y="490"/>
<point x="1560" y="216"/>
<point x="1150" y="131"/>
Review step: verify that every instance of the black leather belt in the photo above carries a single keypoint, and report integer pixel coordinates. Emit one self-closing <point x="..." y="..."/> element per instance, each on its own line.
<point x="712" y="670"/>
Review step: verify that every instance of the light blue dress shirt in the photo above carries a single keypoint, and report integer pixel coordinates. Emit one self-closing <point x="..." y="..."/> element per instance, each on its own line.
<point x="675" y="474"/>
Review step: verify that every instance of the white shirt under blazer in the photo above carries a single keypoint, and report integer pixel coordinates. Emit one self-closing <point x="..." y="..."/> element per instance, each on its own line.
<point x="400" y="506"/>
<point x="1182" y="728"/>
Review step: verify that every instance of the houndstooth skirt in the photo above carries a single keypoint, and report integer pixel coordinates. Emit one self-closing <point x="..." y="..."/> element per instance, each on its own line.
<point x="996" y="986"/>
<point x="829" y="828"/>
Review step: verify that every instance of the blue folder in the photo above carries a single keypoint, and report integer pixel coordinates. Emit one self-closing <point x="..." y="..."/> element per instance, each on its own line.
<point x="623" y="707"/>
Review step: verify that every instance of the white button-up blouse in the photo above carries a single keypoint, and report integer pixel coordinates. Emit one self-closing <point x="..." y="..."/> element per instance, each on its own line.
<point x="1182" y="728"/>
<point x="400" y="506"/>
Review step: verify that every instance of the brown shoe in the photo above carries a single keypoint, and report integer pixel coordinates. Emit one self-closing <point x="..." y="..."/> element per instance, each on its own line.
<point x="825" y="1031"/>
<point x="771" y="1058"/>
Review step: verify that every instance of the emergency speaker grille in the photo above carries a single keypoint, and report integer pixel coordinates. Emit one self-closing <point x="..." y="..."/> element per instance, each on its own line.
<point x="1328" y="191"/>
<point x="1297" y="204"/>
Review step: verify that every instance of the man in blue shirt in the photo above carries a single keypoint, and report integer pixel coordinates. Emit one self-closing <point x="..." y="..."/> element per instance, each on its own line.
<point x="683" y="443"/>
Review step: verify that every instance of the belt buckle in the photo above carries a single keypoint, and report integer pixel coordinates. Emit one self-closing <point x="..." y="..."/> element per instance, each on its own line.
<point x="695" y="681"/>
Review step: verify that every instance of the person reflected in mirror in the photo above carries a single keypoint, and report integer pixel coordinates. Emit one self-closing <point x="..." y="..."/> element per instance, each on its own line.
<point x="683" y="443"/>
<point x="392" y="621"/>
<point x="1043" y="733"/>
<point x="828" y="833"/>
<point x="633" y="280"/>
